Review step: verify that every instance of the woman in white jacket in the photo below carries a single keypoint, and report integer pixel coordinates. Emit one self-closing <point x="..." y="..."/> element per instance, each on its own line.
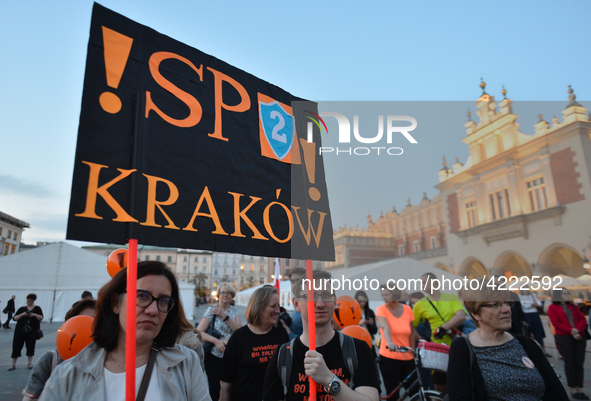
<point x="97" y="373"/>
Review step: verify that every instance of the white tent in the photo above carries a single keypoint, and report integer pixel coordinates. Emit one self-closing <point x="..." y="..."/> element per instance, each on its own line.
<point x="570" y="282"/>
<point x="401" y="270"/>
<point x="58" y="273"/>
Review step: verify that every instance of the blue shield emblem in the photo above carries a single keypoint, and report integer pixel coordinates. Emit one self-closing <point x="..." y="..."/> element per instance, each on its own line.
<point x="277" y="126"/>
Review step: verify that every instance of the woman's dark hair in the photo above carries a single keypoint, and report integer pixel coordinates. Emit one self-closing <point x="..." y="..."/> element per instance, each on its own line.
<point x="106" y="323"/>
<point x="32" y="296"/>
<point x="79" y="306"/>
<point x="366" y="307"/>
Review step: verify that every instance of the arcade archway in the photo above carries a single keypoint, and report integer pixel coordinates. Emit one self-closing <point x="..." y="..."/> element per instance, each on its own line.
<point x="561" y="259"/>
<point x="473" y="268"/>
<point x="510" y="264"/>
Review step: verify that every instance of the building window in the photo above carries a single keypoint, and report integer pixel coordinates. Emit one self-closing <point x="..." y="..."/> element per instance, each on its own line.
<point x="0" y="230"/>
<point x="158" y="258"/>
<point x="262" y="258"/>
<point x="251" y="268"/>
<point x="184" y="258"/>
<point x="433" y="243"/>
<point x="262" y="280"/>
<point x="286" y="263"/>
<point x="262" y="269"/>
<point x="14" y="235"/>
<point x="233" y="271"/>
<point x="196" y="258"/>
<point x="185" y="269"/>
<point x="225" y="271"/>
<point x="13" y="248"/>
<point x="471" y="214"/>
<point x="215" y="284"/>
<point x="169" y="259"/>
<point x="251" y="257"/>
<point x="242" y="280"/>
<point x="203" y="269"/>
<point x="215" y="271"/>
<point x="400" y="250"/>
<point x="9" y="234"/>
<point x="416" y="246"/>
<point x="147" y="257"/>
<point x="499" y="204"/>
<point x="537" y="194"/>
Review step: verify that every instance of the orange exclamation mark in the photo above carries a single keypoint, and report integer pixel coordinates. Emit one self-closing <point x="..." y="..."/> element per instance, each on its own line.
<point x="309" y="149"/>
<point x="117" y="49"/>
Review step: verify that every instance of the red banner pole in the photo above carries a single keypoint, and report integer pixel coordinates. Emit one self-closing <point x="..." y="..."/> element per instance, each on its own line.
<point x="311" y="323"/>
<point x="130" y="324"/>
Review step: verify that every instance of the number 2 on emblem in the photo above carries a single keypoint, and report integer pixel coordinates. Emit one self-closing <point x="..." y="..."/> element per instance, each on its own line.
<point x="274" y="135"/>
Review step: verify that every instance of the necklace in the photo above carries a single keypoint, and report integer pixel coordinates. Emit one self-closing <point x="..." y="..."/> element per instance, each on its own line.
<point x="482" y="339"/>
<point x="121" y="367"/>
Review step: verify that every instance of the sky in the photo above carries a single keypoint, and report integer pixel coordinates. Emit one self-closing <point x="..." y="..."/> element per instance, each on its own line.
<point x="400" y="56"/>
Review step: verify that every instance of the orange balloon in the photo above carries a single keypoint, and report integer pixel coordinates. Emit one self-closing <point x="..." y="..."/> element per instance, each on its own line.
<point x="360" y="333"/>
<point x="347" y="311"/>
<point x="74" y="335"/>
<point x="116" y="261"/>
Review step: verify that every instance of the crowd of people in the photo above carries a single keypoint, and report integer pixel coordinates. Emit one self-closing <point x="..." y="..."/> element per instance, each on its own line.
<point x="496" y="339"/>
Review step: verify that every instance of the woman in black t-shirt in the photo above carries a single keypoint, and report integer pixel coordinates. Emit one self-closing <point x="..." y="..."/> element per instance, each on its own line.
<point x="251" y="347"/>
<point x="27" y="326"/>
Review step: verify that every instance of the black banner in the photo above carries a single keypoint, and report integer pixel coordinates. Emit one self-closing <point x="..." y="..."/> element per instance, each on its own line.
<point x="179" y="149"/>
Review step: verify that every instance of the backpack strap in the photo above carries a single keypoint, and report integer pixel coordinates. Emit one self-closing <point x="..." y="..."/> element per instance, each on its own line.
<point x="285" y="359"/>
<point x="349" y="355"/>
<point x="284" y="362"/>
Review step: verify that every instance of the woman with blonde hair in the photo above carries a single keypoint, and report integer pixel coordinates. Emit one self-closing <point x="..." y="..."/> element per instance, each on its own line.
<point x="250" y="348"/>
<point x="501" y="366"/>
<point x="224" y="319"/>
<point x="397" y="329"/>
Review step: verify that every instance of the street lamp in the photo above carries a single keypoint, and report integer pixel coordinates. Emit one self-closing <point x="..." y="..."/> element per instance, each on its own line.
<point x="586" y="264"/>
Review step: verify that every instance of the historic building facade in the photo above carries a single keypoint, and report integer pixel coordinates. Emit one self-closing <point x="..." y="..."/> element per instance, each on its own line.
<point x="518" y="206"/>
<point x="11" y="230"/>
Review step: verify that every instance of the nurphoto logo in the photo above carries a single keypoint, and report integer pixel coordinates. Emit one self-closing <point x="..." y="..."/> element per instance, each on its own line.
<point x="392" y="127"/>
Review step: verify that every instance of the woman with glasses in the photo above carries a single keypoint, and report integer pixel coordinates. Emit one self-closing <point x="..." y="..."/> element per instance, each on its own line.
<point x="500" y="366"/>
<point x="97" y="373"/>
<point x="250" y="348"/>
<point x="224" y="319"/>
<point x="397" y="329"/>
<point x="569" y="325"/>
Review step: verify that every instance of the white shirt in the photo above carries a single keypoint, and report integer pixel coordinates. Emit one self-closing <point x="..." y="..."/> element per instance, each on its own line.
<point x="115" y="385"/>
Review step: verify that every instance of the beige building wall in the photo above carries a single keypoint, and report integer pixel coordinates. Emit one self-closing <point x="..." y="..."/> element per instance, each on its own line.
<point x="520" y="205"/>
<point x="11" y="232"/>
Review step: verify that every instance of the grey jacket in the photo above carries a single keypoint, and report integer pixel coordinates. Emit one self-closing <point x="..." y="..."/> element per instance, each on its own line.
<point x="40" y="374"/>
<point x="82" y="378"/>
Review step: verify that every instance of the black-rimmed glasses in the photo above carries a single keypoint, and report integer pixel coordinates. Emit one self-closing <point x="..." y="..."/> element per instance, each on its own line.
<point x="497" y="305"/>
<point x="145" y="299"/>
<point x="327" y="297"/>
